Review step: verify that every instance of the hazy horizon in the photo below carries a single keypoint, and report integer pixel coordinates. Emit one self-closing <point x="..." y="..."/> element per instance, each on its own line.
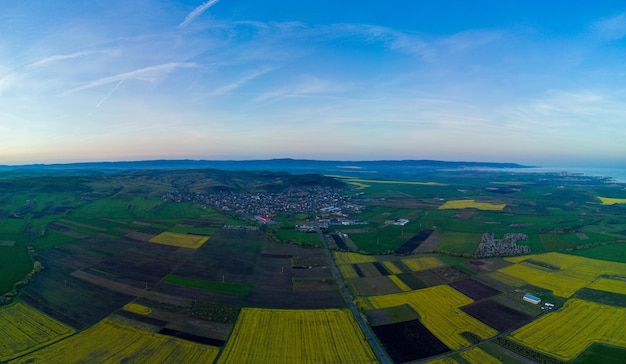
<point x="522" y="82"/>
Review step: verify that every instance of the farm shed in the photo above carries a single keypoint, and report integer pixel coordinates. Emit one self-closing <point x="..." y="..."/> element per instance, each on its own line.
<point x="532" y="299"/>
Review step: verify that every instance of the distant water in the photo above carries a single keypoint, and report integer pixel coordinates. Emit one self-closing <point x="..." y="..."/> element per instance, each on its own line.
<point x="617" y="174"/>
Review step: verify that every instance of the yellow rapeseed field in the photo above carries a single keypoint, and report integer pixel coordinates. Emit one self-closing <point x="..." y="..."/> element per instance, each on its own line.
<point x="573" y="274"/>
<point x="569" y="331"/>
<point x="296" y="336"/>
<point x="467" y="204"/>
<point x="112" y="341"/>
<point x="398" y="282"/>
<point x="138" y="309"/>
<point x="611" y="201"/>
<point x="422" y="263"/>
<point x="24" y="329"/>
<point x="180" y="240"/>
<point x="352" y="258"/>
<point x="438" y="308"/>
<point x="479" y="356"/>
<point x="347" y="271"/>
<point x="391" y="267"/>
<point x="609" y="285"/>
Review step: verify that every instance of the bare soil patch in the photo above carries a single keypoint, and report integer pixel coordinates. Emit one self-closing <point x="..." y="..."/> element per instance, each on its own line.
<point x="408" y="341"/>
<point x="474" y="289"/>
<point x="136" y="235"/>
<point x="429" y="245"/>
<point x="107" y="283"/>
<point x="496" y="315"/>
<point x="442" y="275"/>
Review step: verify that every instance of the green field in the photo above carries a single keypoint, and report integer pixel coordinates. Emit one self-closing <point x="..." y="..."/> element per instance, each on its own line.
<point x="613" y="253"/>
<point x="211" y="286"/>
<point x="15" y="263"/>
<point x="601" y="354"/>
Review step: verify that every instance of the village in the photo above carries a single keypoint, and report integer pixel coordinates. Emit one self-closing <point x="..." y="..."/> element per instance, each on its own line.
<point x="262" y="206"/>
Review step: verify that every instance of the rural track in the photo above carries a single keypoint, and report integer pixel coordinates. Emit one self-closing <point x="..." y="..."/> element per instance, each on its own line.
<point x="369" y="335"/>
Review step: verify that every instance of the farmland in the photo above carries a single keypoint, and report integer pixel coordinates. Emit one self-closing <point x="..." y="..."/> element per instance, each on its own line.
<point x="180" y="240"/>
<point x="296" y="336"/>
<point x="471" y="204"/>
<point x="438" y="308"/>
<point x="25" y="329"/>
<point x="611" y="201"/>
<point x="478" y="356"/>
<point x="113" y="340"/>
<point x="571" y="274"/>
<point x="568" y="332"/>
<point x="609" y="285"/>
<point x="174" y="263"/>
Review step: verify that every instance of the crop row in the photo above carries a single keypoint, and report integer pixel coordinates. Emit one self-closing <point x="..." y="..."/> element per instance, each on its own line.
<point x="296" y="336"/>
<point x="568" y="332"/>
<point x="438" y="308"/>
<point x="113" y="341"/>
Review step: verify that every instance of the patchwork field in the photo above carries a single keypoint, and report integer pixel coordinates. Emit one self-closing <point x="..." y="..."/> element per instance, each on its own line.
<point x="438" y="308"/>
<point x="569" y="331"/>
<point x="109" y="240"/>
<point x="112" y="340"/>
<point x="296" y="336"/>
<point x="25" y="329"/>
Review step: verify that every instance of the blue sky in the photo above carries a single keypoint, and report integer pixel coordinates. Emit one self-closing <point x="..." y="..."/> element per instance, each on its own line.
<point x="532" y="82"/>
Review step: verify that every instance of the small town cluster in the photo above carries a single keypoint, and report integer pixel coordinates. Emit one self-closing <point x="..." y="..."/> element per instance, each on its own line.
<point x="263" y="206"/>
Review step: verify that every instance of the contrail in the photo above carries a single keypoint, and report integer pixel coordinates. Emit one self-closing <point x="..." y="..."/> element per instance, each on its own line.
<point x="197" y="12"/>
<point x="107" y="95"/>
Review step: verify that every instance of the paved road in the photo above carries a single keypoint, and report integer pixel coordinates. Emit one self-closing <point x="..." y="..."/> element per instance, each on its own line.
<point x="369" y="335"/>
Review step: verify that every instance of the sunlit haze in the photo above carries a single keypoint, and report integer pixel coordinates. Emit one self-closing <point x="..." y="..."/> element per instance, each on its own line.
<point x="531" y="82"/>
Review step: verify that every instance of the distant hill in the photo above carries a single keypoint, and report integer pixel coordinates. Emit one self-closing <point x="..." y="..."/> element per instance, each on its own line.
<point x="294" y="166"/>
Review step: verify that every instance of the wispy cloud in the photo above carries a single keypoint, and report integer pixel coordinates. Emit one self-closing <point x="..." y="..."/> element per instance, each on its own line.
<point x="62" y="57"/>
<point x="611" y="29"/>
<point x="151" y="73"/>
<point x="240" y="82"/>
<point x="6" y="82"/>
<point x="472" y="39"/>
<point x="197" y="12"/>
<point x="393" y="39"/>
